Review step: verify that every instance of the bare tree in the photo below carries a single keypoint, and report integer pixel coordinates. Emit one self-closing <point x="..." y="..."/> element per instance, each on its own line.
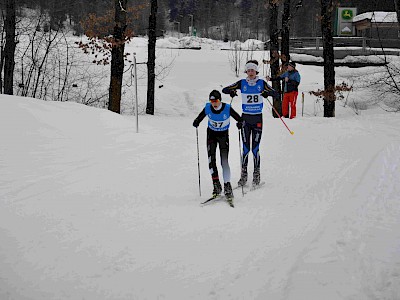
<point x="9" y="48"/>
<point x="397" y="8"/>
<point x="235" y="57"/>
<point x="43" y="60"/>
<point x="285" y="31"/>
<point x="2" y="43"/>
<point x="274" y="53"/>
<point x="329" y="58"/>
<point x="151" y="60"/>
<point x="117" y="56"/>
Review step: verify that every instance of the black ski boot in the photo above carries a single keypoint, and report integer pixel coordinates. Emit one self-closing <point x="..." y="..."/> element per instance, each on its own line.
<point x="243" y="178"/>
<point x="228" y="190"/>
<point x="228" y="193"/>
<point x="256" y="177"/>
<point x="217" y="187"/>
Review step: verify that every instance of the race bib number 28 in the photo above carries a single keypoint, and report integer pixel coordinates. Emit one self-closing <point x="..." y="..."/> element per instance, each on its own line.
<point x="252" y="98"/>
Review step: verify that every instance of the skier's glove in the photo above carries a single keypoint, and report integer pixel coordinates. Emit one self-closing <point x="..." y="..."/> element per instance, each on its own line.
<point x="196" y="123"/>
<point x="232" y="93"/>
<point x="239" y="125"/>
<point x="264" y="94"/>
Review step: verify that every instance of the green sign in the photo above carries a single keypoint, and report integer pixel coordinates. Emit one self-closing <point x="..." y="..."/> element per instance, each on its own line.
<point x="344" y="21"/>
<point x="347" y="14"/>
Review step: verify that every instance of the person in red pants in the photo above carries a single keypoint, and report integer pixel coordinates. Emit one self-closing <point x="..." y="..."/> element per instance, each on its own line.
<point x="291" y="83"/>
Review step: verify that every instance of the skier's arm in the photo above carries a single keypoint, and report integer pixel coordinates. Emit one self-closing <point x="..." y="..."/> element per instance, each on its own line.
<point x="235" y="115"/>
<point x="199" y="118"/>
<point x="279" y="77"/>
<point x="269" y="91"/>
<point x="231" y="89"/>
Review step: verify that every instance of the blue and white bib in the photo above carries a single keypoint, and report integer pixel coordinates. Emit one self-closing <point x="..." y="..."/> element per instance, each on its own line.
<point x="218" y="122"/>
<point x="252" y="101"/>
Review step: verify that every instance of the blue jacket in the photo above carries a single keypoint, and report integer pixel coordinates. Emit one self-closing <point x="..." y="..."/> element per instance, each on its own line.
<point x="293" y="83"/>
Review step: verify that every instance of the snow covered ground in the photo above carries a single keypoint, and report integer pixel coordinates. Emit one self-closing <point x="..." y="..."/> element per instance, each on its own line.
<point x="90" y="209"/>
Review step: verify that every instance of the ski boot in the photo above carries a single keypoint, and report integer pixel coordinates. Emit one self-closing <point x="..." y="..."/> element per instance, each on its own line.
<point x="228" y="190"/>
<point x="243" y="178"/>
<point x="256" y="177"/>
<point x="228" y="193"/>
<point x="217" y="188"/>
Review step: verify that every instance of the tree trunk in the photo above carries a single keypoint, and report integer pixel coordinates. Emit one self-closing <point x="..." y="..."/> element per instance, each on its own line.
<point x="9" y="49"/>
<point x="274" y="53"/>
<point x="151" y="58"/>
<point x="397" y="8"/>
<point x="285" y="56"/>
<point x="117" y="56"/>
<point x="329" y="57"/>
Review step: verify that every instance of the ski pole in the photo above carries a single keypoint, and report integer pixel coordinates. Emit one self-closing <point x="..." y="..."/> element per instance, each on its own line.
<point x="198" y="158"/>
<point x="241" y="156"/>
<point x="291" y="132"/>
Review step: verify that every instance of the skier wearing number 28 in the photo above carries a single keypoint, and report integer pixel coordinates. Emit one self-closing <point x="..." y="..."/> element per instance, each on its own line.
<point x="253" y="90"/>
<point x="218" y="114"/>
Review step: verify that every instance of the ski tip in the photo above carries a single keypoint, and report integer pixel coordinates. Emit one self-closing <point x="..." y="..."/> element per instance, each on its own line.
<point x="230" y="201"/>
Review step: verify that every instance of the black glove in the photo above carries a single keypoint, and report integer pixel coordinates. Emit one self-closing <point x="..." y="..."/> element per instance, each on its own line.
<point x="239" y="125"/>
<point x="196" y="123"/>
<point x="264" y="93"/>
<point x="233" y="93"/>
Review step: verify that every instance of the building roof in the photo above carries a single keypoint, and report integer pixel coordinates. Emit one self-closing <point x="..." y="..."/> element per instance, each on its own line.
<point x="377" y="17"/>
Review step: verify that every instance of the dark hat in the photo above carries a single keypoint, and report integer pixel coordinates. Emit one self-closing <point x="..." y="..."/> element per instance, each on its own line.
<point x="215" y="95"/>
<point x="292" y="63"/>
<point x="252" y="61"/>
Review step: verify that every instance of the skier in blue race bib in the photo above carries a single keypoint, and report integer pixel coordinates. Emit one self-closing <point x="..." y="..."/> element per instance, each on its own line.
<point x="253" y="90"/>
<point x="218" y="114"/>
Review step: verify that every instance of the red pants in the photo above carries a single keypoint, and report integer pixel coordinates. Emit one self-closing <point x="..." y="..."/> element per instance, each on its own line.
<point x="289" y="99"/>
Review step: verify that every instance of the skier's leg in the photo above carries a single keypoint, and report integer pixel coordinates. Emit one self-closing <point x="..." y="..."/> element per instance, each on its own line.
<point x="246" y="133"/>
<point x="224" y="153"/>
<point x="256" y="138"/>
<point x="246" y="144"/>
<point x="212" y="165"/>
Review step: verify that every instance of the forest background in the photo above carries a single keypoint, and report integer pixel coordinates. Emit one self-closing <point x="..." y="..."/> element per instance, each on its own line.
<point x="35" y="66"/>
<point x="215" y="19"/>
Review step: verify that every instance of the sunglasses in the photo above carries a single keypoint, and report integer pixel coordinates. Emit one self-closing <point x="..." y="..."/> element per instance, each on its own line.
<point x="214" y="100"/>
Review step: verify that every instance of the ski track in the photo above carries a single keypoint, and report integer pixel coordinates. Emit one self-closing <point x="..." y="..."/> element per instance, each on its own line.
<point x="355" y="242"/>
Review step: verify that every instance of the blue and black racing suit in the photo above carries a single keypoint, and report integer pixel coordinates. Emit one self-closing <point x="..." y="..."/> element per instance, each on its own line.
<point x="218" y="135"/>
<point x="253" y="93"/>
